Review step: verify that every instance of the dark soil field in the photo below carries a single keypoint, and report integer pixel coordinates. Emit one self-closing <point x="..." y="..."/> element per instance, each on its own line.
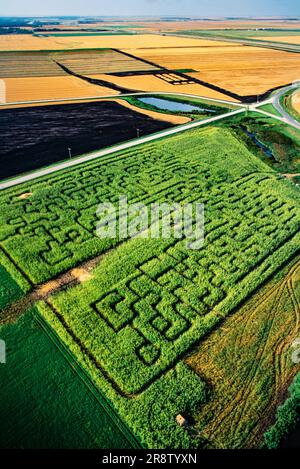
<point x="39" y="136"/>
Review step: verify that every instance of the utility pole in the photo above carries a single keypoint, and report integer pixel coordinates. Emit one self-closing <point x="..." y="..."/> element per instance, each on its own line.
<point x="70" y="152"/>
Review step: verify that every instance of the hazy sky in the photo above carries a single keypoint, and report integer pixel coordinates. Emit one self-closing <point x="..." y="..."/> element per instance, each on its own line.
<point x="202" y="8"/>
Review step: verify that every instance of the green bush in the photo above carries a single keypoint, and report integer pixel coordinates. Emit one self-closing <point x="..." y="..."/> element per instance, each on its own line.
<point x="286" y="418"/>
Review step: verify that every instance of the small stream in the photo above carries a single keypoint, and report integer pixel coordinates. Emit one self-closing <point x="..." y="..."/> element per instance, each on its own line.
<point x="257" y="142"/>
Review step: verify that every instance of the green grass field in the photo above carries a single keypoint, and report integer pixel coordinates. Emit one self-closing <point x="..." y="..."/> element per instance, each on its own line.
<point x="44" y="402"/>
<point x="150" y="301"/>
<point x="270" y="109"/>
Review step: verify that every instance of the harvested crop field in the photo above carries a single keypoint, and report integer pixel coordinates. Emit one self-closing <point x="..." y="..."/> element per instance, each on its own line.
<point x="27" y="42"/>
<point x="102" y="61"/>
<point x="158" y="26"/>
<point x="39" y="136"/>
<point x="154" y="83"/>
<point x="146" y="338"/>
<point x="288" y="39"/>
<point x="242" y="69"/>
<point x="28" y="64"/>
<point x="45" y="64"/>
<point x="43" y="88"/>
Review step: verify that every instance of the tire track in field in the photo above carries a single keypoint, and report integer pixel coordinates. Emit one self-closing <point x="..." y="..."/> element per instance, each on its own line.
<point x="255" y="369"/>
<point x="283" y="346"/>
<point x="238" y="398"/>
<point x="278" y="370"/>
<point x="283" y="377"/>
<point x="236" y="403"/>
<point x="231" y="415"/>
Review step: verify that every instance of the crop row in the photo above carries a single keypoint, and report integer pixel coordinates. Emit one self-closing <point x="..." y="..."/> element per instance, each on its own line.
<point x="28" y="64"/>
<point x="43" y="64"/>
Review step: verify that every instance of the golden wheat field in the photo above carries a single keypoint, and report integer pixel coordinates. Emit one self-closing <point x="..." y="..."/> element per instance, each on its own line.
<point x="27" y="89"/>
<point x="202" y="24"/>
<point x="26" y="42"/>
<point x="153" y="83"/>
<point x="241" y="69"/>
<point x="287" y="39"/>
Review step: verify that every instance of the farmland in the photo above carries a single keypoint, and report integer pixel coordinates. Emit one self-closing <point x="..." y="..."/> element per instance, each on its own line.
<point x="149" y="301"/>
<point x="244" y="70"/>
<point x="44" y="64"/>
<point x="142" y="63"/>
<point x="225" y="25"/>
<point x="281" y="141"/>
<point x="44" y="88"/>
<point x="268" y="34"/>
<point x="155" y="113"/>
<point x="38" y="136"/>
<point x="247" y="354"/>
<point x="146" y="342"/>
<point x="292" y="39"/>
<point x="38" y="370"/>
<point x="105" y="61"/>
<point x="30" y="43"/>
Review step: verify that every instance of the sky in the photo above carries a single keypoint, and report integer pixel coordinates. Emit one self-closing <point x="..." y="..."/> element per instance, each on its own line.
<point x="200" y="8"/>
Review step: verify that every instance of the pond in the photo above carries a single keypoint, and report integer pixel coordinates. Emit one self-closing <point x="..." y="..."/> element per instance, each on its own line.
<point x="168" y="105"/>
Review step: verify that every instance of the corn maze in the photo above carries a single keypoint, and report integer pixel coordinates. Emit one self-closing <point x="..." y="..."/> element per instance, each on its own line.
<point x="150" y="301"/>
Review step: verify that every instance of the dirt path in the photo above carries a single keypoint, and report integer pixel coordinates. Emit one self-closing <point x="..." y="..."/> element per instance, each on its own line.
<point x="72" y="277"/>
<point x="290" y="176"/>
